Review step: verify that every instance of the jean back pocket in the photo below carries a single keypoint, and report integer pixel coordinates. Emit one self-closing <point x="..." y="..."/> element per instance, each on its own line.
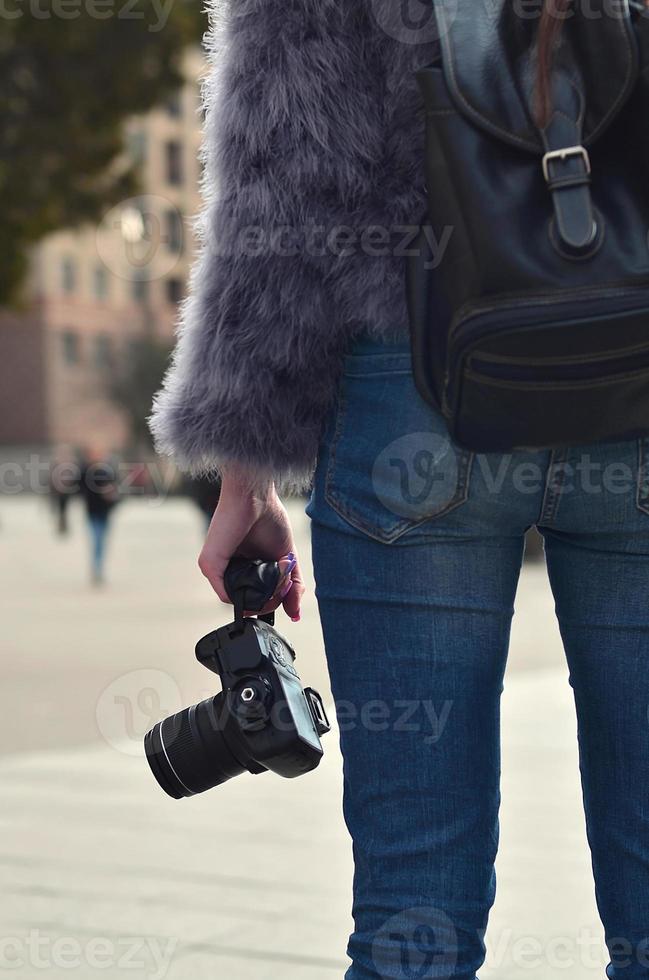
<point x="391" y="463"/>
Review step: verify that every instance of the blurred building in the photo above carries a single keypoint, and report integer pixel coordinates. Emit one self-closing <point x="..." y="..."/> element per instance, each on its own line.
<point x="92" y="293"/>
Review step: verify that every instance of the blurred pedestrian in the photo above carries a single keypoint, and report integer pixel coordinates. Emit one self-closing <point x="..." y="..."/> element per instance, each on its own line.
<point x="205" y="491"/>
<point x="65" y="472"/>
<point x="99" y="489"/>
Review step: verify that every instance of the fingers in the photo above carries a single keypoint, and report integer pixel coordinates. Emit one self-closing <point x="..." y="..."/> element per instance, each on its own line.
<point x="286" y="565"/>
<point x="223" y="538"/>
<point x="241" y="526"/>
<point x="289" y="591"/>
<point x="293" y="598"/>
<point x="213" y="568"/>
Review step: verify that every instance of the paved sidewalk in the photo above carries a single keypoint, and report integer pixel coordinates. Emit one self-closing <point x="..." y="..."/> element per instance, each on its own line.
<point x="247" y="881"/>
<point x="100" y="871"/>
<point x="252" y="880"/>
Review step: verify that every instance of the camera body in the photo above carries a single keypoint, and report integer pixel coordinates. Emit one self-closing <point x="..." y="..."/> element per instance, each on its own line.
<point x="269" y="717"/>
<point x="263" y="719"/>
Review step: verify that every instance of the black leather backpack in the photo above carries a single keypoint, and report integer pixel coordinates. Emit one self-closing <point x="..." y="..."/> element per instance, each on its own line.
<point x="533" y="329"/>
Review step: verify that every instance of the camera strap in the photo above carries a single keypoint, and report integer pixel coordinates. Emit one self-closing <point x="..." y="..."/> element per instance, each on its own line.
<point x="239" y="602"/>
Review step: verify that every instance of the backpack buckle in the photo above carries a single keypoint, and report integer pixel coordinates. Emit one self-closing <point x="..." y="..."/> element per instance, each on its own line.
<point x="564" y="154"/>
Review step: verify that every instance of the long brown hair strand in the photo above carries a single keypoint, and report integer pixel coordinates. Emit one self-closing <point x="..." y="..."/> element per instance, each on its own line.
<point x="553" y="17"/>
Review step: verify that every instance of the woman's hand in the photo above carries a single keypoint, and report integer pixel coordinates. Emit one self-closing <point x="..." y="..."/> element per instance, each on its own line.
<point x="250" y="520"/>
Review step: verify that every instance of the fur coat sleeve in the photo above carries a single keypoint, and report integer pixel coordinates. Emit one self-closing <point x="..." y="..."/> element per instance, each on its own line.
<point x="312" y="155"/>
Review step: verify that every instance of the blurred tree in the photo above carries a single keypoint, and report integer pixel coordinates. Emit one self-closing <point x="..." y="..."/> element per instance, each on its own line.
<point x="72" y="71"/>
<point x="133" y="383"/>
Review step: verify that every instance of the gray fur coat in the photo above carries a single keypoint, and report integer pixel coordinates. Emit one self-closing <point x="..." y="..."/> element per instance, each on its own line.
<point x="313" y="156"/>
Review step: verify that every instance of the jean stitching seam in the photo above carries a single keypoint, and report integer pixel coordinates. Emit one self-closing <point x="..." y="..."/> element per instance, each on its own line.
<point x="554" y="485"/>
<point x="358" y="522"/>
<point x="642" y="496"/>
<point x="378" y="373"/>
<point x="333" y="499"/>
<point x="341" y="411"/>
<point x="460" y="497"/>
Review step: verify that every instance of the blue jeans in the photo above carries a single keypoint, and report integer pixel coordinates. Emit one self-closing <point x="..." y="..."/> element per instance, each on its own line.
<point x="417" y="549"/>
<point x="99" y="525"/>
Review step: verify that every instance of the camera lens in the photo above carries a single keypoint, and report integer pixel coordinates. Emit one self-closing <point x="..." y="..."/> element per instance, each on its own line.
<point x="188" y="752"/>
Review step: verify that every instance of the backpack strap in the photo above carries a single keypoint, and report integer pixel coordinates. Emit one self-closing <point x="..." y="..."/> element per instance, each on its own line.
<point x="489" y="62"/>
<point x="567" y="171"/>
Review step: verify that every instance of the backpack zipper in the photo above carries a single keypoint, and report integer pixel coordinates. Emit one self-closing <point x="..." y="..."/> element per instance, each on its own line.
<point x="570" y="370"/>
<point x="465" y="331"/>
<point x="467" y="314"/>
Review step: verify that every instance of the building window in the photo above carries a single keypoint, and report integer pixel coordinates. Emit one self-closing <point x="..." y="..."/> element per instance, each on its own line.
<point x="174" y="288"/>
<point x="175" y="105"/>
<point x="136" y="146"/>
<point x="174" y="162"/>
<point x="71" y="347"/>
<point x="100" y="282"/>
<point x="140" y="290"/>
<point x="68" y="275"/>
<point x="103" y="351"/>
<point x="174" y="231"/>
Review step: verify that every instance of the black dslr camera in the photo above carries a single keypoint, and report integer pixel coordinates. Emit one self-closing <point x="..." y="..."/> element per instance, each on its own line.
<point x="263" y="718"/>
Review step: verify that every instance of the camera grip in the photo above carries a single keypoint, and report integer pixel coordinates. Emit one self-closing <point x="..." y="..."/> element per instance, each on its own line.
<point x="250" y="583"/>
